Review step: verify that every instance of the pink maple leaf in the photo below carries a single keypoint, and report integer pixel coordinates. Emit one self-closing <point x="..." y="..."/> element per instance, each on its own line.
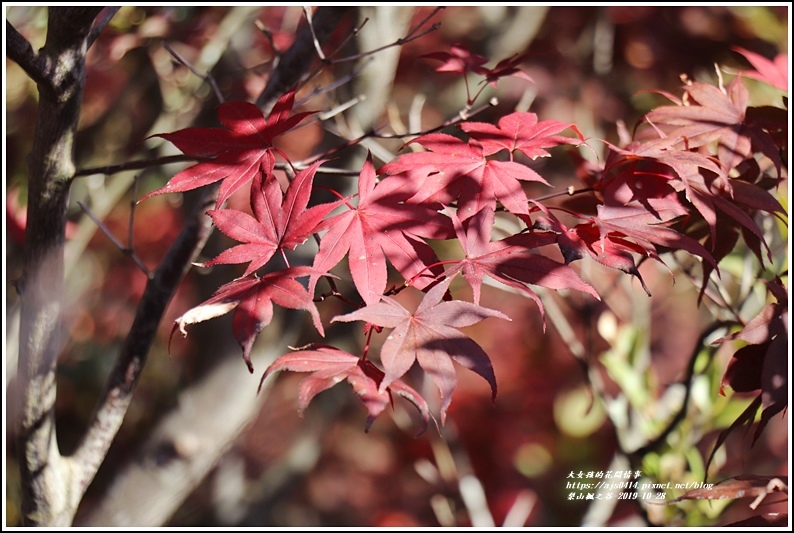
<point x="456" y="170"/>
<point x="520" y="131"/>
<point x="429" y="337"/>
<point x="774" y="72"/>
<point x="330" y="366"/>
<point x="278" y="223"/>
<point x="381" y="226"/>
<point x="252" y="299"/>
<point x="459" y="59"/>
<point x="510" y="261"/>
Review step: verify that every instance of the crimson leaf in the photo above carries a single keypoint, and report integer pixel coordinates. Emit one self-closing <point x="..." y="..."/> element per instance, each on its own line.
<point x="455" y="170"/>
<point x="520" y="131"/>
<point x="252" y="299"/>
<point x="278" y="223"/>
<point x="428" y="336"/>
<point x="330" y="365"/>
<point x="720" y="116"/>
<point x="237" y="152"/>
<point x="506" y="67"/>
<point x="510" y="260"/>
<point x="764" y="362"/>
<point x="459" y="59"/>
<point x="381" y="227"/>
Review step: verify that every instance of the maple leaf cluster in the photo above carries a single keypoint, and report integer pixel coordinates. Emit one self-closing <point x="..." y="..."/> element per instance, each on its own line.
<point x="690" y="182"/>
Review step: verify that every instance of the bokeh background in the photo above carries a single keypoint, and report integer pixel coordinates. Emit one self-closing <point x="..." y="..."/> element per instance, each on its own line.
<point x="492" y="464"/>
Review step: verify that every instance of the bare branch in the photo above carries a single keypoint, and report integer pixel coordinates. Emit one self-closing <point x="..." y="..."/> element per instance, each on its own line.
<point x="18" y="49"/>
<point x="100" y="25"/>
<point x="317" y="46"/>
<point x="398" y="42"/>
<point x="135" y="165"/>
<point x="422" y="22"/>
<point x="127" y="369"/>
<point x="660" y="439"/>
<point x="206" y="77"/>
<point x="296" y="61"/>
<point x="126" y="250"/>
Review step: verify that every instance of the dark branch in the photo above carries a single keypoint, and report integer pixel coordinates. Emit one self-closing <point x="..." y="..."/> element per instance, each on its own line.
<point x="296" y="61"/>
<point x="135" y="165"/>
<point x="206" y="77"/>
<point x="19" y="50"/>
<point x="127" y="369"/>
<point x="99" y="26"/>
<point x="653" y="445"/>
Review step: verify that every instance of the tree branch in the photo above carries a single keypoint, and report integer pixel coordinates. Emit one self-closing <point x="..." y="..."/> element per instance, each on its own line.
<point x="45" y="476"/>
<point x="185" y="445"/>
<point x="99" y="26"/>
<point x="116" y="397"/>
<point x="135" y="165"/>
<point x="19" y="50"/>
<point x="296" y="61"/>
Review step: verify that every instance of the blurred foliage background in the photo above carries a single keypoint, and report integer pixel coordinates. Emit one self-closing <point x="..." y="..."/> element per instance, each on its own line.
<point x="503" y="463"/>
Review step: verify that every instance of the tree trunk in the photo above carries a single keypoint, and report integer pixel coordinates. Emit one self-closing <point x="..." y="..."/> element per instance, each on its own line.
<point x="59" y="70"/>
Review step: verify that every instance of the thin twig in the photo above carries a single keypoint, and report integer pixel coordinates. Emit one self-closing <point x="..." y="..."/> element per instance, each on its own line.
<point x="292" y="66"/>
<point x="570" y="191"/>
<point x="341" y="108"/>
<point x="410" y="36"/>
<point x="373" y="134"/>
<point x="131" y="225"/>
<point x="136" y="165"/>
<point x="317" y="91"/>
<point x="117" y="243"/>
<point x="399" y="42"/>
<point x="206" y="76"/>
<point x="638" y="454"/>
<point x="268" y="35"/>
<point x="424" y="21"/>
<point x="307" y="11"/>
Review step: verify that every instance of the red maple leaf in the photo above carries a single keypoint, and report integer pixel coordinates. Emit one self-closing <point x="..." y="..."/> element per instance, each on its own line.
<point x="278" y="223"/>
<point x="763" y="363"/>
<point x="381" y="227"/>
<point x="237" y="153"/>
<point x="428" y="336"/>
<point x="252" y="299"/>
<point x="459" y="59"/>
<point x="640" y="202"/>
<point x="738" y="204"/>
<point x="520" y="131"/>
<point x="455" y="170"/>
<point x="717" y="116"/>
<point x="506" y="67"/>
<point x="647" y="177"/>
<point x="633" y="224"/>
<point x="330" y="366"/>
<point x="774" y="72"/>
<point x="510" y="260"/>
<point x="611" y="250"/>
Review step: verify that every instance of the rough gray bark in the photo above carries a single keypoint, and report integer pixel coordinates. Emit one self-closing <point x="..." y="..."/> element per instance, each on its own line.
<point x="59" y="71"/>
<point x="52" y="484"/>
